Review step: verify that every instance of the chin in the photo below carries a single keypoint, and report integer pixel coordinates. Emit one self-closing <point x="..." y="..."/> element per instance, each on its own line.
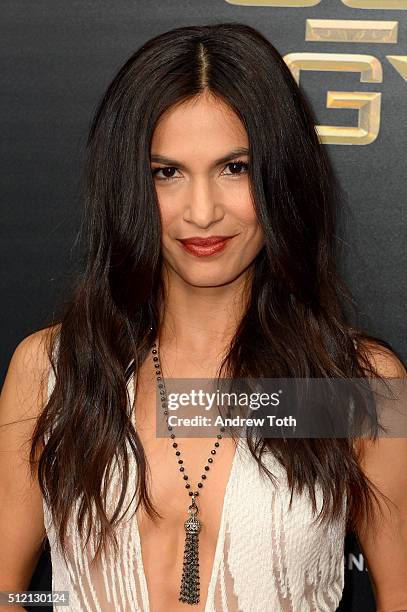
<point x="209" y="280"/>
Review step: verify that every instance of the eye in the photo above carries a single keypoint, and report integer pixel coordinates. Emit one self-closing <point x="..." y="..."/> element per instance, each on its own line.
<point x="167" y="171"/>
<point x="236" y="167"/>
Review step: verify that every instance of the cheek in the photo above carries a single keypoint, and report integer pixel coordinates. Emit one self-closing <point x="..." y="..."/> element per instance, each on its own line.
<point x="241" y="206"/>
<point x="250" y="223"/>
<point x="248" y="218"/>
<point x="168" y="211"/>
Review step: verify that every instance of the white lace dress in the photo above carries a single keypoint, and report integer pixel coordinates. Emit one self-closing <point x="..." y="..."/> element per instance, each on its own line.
<point x="267" y="558"/>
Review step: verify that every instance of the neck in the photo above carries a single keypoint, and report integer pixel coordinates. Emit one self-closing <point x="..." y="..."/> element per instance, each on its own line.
<point x="201" y="320"/>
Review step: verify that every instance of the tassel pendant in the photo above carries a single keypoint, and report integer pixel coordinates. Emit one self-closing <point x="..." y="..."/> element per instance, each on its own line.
<point x="189" y="591"/>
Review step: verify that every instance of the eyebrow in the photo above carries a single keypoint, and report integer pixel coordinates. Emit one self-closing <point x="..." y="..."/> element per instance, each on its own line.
<point x="161" y="159"/>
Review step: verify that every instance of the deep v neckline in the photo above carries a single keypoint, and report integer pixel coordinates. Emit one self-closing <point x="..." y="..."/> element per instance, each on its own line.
<point x="220" y="536"/>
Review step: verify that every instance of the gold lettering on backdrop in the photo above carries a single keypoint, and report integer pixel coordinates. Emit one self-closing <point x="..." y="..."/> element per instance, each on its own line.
<point x="368" y="103"/>
<point x="369" y="66"/>
<point x="376" y="4"/>
<point x="337" y="30"/>
<point x="399" y="62"/>
<point x="350" y="31"/>
<point x="286" y="3"/>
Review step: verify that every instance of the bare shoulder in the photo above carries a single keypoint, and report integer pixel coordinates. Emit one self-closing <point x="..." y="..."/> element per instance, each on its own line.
<point x="25" y="386"/>
<point x="376" y="455"/>
<point x="383" y="360"/>
<point x="22" y="399"/>
<point x="384" y="462"/>
<point x="386" y="364"/>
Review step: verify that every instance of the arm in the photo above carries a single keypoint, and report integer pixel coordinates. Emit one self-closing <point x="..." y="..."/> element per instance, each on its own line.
<point x="21" y="515"/>
<point x="384" y="542"/>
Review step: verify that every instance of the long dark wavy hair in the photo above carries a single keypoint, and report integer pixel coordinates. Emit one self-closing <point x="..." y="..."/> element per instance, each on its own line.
<point x="295" y="323"/>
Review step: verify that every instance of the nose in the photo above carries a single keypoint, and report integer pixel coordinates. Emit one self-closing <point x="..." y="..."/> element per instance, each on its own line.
<point x="202" y="208"/>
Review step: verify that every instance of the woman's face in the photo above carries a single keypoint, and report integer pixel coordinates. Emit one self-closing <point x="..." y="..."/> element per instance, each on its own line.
<point x="199" y="157"/>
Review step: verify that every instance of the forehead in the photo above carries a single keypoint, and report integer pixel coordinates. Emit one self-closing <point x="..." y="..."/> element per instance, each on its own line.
<point x="205" y="125"/>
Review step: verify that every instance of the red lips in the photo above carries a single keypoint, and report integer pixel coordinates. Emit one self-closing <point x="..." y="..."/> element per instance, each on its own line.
<point x="205" y="247"/>
<point x="209" y="241"/>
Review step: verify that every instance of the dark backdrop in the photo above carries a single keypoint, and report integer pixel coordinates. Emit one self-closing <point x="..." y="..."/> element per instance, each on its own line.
<point x="57" y="59"/>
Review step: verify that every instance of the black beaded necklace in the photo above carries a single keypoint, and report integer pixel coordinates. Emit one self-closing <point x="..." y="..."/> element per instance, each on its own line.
<point x="189" y="590"/>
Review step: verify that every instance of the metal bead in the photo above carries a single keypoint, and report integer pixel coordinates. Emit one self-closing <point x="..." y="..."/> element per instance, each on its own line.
<point x="180" y="461"/>
<point x="203" y="476"/>
<point x="206" y="467"/>
<point x="187" y="486"/>
<point x="213" y="452"/>
<point x="210" y="460"/>
<point x="182" y="469"/>
<point x="216" y="443"/>
<point x="175" y="445"/>
<point x="185" y="477"/>
<point x="200" y="485"/>
<point x="177" y="453"/>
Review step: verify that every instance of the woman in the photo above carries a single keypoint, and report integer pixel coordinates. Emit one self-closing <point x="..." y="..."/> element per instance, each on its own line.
<point x="210" y="215"/>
